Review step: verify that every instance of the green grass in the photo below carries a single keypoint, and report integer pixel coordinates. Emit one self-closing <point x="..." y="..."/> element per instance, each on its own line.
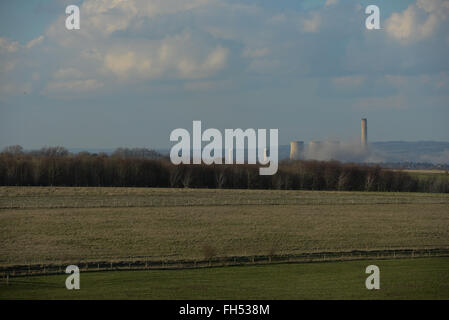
<point x="425" y="278"/>
<point x="436" y="178"/>
<point x="64" y="225"/>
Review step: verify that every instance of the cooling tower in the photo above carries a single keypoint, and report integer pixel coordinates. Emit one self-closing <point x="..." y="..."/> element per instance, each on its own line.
<point x="314" y="146"/>
<point x="296" y="150"/>
<point x="364" y="136"/>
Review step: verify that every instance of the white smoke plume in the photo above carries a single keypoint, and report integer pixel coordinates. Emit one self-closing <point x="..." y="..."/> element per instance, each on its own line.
<point x="342" y="151"/>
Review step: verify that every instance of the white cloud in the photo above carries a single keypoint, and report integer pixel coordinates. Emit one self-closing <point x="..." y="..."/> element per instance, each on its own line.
<point x="35" y="42"/>
<point x="173" y="57"/>
<point x="433" y="5"/>
<point x="418" y="21"/>
<point x="216" y="60"/>
<point x="121" y="63"/>
<point x="8" y="46"/>
<point x="180" y="54"/>
<point x="108" y="16"/>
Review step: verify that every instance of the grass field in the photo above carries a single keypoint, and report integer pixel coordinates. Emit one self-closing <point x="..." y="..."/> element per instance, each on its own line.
<point x="425" y="278"/>
<point x="438" y="176"/>
<point x="65" y="225"/>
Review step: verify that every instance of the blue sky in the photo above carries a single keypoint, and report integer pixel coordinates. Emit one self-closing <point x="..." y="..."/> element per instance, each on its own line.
<point x="139" y="69"/>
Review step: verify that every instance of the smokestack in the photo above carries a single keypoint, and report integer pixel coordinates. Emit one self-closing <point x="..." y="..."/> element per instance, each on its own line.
<point x="364" y="136"/>
<point x="296" y="150"/>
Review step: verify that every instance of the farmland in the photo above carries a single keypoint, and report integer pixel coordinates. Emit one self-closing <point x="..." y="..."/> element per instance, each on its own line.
<point x="41" y="225"/>
<point x="426" y="278"/>
<point x="438" y="176"/>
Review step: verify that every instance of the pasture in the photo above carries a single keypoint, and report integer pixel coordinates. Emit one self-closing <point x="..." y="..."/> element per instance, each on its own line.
<point x="426" y="278"/>
<point x="41" y="225"/>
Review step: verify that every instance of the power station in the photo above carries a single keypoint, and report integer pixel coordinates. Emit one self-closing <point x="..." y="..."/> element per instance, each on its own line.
<point x="364" y="136"/>
<point x="297" y="151"/>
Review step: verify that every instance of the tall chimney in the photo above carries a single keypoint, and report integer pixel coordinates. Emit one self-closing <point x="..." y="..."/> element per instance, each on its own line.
<point x="364" y="136"/>
<point x="296" y="150"/>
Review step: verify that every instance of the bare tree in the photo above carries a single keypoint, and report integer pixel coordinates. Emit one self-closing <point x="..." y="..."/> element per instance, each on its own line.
<point x="140" y="153"/>
<point x="187" y="178"/>
<point x="343" y="180"/>
<point x="57" y="151"/>
<point x="369" y="181"/>
<point x="175" y="176"/>
<point x="220" y="178"/>
<point x="13" y="150"/>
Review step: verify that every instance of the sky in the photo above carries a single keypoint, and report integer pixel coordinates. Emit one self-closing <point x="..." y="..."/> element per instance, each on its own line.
<point x="138" y="69"/>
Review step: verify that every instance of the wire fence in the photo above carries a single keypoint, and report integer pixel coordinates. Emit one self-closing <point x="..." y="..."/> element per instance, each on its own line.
<point x="182" y="202"/>
<point x="7" y="272"/>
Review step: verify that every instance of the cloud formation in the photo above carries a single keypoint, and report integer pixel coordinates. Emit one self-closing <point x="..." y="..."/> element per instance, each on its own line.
<point x="198" y="43"/>
<point x="7" y="45"/>
<point x="419" y="21"/>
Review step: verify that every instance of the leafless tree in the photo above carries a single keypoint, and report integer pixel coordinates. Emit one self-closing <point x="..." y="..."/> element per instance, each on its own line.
<point x="13" y="150"/>
<point x="220" y="178"/>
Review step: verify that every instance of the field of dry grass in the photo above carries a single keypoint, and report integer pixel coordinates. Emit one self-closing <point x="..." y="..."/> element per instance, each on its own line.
<point x="44" y="225"/>
<point x="426" y="171"/>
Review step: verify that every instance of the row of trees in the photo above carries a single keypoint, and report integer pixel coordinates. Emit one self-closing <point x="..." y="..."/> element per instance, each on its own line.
<point x="64" y="169"/>
<point x="59" y="151"/>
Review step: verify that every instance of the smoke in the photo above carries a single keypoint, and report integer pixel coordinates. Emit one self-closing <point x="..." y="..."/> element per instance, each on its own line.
<point x="342" y="151"/>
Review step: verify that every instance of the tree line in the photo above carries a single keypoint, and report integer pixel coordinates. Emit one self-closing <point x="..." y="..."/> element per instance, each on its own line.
<point x="55" y="166"/>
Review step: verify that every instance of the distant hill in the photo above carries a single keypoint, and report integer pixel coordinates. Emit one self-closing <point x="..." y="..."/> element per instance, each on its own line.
<point x="421" y="151"/>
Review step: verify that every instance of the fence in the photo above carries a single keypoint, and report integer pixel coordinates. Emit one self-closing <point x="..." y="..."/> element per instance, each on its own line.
<point x="143" y="264"/>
